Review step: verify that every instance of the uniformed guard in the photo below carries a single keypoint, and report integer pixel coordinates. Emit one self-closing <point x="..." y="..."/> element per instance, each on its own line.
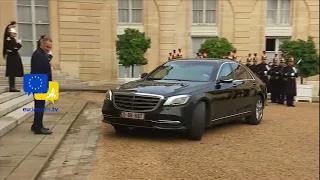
<point x="204" y="53"/>
<point x="249" y="60"/>
<point x="230" y="56"/>
<point x="253" y="67"/>
<point x="281" y="81"/>
<point x="179" y="53"/>
<point x="7" y="34"/>
<point x="264" y="56"/>
<point x="274" y="74"/>
<point x="262" y="70"/>
<point x="174" y="54"/>
<point x="11" y="47"/>
<point x="234" y="55"/>
<point x="290" y="74"/>
<point x="170" y="57"/>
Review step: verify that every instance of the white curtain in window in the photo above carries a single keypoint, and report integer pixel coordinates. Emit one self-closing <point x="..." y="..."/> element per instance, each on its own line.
<point x="285" y="7"/>
<point x="210" y="16"/>
<point x="40" y="2"/>
<point x="272" y="11"/>
<point x="24" y="2"/>
<point x="24" y="14"/>
<point x="42" y="14"/>
<point x="42" y="29"/>
<point x="197" y="12"/>
<point x="25" y="31"/>
<point x="27" y="48"/>
<point x="123" y="10"/>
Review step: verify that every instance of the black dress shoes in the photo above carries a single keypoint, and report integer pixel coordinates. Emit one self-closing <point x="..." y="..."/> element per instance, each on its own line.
<point x="14" y="90"/>
<point x="33" y="129"/>
<point x="43" y="131"/>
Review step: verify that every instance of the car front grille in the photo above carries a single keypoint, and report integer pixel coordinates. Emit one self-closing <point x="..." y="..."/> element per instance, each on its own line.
<point x="136" y="102"/>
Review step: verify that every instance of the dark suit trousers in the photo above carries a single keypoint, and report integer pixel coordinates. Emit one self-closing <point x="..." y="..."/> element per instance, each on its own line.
<point x="38" y="114"/>
<point x="289" y="100"/>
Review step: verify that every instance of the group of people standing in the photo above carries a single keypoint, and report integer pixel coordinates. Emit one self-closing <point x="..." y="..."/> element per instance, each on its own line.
<point x="174" y="55"/>
<point x="40" y="64"/>
<point x="280" y="77"/>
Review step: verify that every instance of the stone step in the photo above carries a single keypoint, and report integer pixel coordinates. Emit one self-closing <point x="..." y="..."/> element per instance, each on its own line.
<point x="16" y="117"/>
<point x="13" y="104"/>
<point x="61" y="86"/>
<point x="7" y="96"/>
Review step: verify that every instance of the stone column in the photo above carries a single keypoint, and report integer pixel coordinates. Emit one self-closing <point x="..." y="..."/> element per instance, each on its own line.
<point x="7" y="14"/>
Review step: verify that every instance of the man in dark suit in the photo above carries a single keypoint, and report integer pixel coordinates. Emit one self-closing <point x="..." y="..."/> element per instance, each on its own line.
<point x="40" y="65"/>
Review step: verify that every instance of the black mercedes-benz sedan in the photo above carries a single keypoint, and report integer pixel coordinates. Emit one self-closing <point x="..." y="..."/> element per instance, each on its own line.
<point x="188" y="95"/>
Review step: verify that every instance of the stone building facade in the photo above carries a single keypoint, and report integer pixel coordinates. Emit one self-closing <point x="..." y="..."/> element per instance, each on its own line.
<point x="84" y="31"/>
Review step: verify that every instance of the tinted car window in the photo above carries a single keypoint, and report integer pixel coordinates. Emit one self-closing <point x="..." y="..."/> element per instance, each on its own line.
<point x="225" y="71"/>
<point x="184" y="70"/>
<point x="240" y="72"/>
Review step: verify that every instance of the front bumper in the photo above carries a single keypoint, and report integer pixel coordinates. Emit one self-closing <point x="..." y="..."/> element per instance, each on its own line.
<point x="170" y="118"/>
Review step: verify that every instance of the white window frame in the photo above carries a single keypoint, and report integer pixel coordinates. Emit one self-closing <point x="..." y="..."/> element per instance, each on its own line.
<point x="277" y="45"/>
<point x="130" y="13"/>
<point x="204" y="13"/>
<point x="279" y="13"/>
<point x="33" y="6"/>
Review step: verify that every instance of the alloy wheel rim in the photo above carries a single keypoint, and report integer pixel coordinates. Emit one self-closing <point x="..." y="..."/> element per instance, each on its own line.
<point x="259" y="110"/>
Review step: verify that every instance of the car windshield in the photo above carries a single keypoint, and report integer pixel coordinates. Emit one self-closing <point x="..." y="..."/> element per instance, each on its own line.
<point x="183" y="71"/>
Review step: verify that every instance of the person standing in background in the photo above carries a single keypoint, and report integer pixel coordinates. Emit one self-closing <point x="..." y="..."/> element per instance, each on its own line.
<point x="234" y="55"/>
<point x="174" y="54"/>
<point x="179" y="53"/>
<point x="274" y="79"/>
<point x="12" y="45"/>
<point x="170" y="57"/>
<point x="281" y="81"/>
<point x="290" y="74"/>
<point x="253" y="67"/>
<point x="249" y="60"/>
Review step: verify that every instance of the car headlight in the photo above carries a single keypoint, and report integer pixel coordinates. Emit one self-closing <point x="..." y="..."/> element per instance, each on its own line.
<point x="109" y="95"/>
<point x="177" y="100"/>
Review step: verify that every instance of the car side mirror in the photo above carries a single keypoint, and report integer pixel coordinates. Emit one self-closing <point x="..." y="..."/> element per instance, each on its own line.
<point x="225" y="79"/>
<point x="143" y="75"/>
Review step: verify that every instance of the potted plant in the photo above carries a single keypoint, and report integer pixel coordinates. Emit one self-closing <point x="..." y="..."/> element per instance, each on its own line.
<point x="131" y="48"/>
<point x="305" y="53"/>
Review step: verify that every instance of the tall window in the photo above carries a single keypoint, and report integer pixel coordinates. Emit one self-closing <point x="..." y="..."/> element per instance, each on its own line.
<point x="130" y="11"/>
<point x="272" y="46"/>
<point x="279" y="12"/>
<point x="204" y="11"/>
<point x="33" y="21"/>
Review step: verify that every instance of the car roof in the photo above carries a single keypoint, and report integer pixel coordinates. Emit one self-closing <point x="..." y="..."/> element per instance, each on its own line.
<point x="213" y="60"/>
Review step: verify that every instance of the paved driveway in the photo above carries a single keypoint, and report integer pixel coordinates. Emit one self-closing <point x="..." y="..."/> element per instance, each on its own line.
<point x="285" y="146"/>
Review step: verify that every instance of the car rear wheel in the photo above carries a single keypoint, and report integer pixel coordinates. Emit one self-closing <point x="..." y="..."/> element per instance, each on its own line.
<point x="257" y="113"/>
<point x="121" y="129"/>
<point x="197" y="127"/>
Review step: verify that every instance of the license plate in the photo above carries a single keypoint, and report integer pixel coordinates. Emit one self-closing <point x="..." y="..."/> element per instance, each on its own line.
<point x="131" y="115"/>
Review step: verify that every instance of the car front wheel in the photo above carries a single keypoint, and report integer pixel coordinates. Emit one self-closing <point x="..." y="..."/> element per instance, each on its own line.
<point x="257" y="113"/>
<point x="198" y="122"/>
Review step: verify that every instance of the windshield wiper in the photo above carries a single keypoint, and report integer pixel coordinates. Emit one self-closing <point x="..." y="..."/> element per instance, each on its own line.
<point x="153" y="79"/>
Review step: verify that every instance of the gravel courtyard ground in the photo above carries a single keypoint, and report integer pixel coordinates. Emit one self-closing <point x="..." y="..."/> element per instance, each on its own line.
<point x="285" y="146"/>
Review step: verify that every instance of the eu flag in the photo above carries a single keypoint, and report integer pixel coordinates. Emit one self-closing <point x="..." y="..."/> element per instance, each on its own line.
<point x="35" y="83"/>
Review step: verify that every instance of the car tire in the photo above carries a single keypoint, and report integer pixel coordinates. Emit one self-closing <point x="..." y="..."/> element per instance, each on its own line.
<point x="121" y="129"/>
<point x="197" y="127"/>
<point x="257" y="113"/>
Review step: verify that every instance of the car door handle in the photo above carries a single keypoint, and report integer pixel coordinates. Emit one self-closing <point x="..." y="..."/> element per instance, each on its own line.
<point x="234" y="85"/>
<point x="254" y="83"/>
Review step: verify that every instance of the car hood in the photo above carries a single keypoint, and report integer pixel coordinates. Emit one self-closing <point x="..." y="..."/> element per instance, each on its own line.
<point x="162" y="87"/>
